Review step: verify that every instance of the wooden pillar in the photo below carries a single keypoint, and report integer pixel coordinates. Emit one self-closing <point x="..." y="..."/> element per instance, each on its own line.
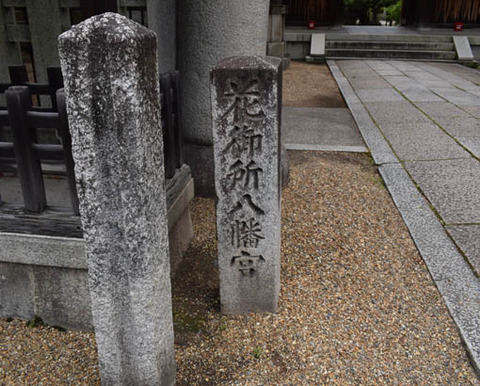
<point x="425" y="10"/>
<point x="335" y="11"/>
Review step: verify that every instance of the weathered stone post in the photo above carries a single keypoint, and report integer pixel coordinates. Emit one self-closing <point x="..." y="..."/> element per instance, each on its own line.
<point x="111" y="83"/>
<point x="246" y="111"/>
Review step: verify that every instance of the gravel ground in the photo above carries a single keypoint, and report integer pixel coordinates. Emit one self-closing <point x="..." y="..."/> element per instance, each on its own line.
<point x="357" y="305"/>
<point x="310" y="85"/>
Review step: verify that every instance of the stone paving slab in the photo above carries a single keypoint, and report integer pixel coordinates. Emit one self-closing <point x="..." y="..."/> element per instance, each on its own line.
<point x="460" y="127"/>
<point x="418" y="93"/>
<point x="472" y="110"/>
<point x="472" y="144"/>
<point x="371" y="83"/>
<point x="452" y="186"/>
<point x="386" y="113"/>
<point x="400" y="80"/>
<point x="319" y="126"/>
<point x="404" y="66"/>
<point x="452" y="275"/>
<point x="374" y="139"/>
<point x="379" y="95"/>
<point x="442" y="109"/>
<point x="459" y="73"/>
<point x="383" y="68"/>
<point x="414" y="142"/>
<point x="431" y="83"/>
<point x="457" y="96"/>
<point x="466" y="237"/>
<point x="450" y="75"/>
<point x="467" y="73"/>
<point x="357" y="69"/>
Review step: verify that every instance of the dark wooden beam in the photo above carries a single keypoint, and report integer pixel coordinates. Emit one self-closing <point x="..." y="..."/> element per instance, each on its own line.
<point x="96" y="7"/>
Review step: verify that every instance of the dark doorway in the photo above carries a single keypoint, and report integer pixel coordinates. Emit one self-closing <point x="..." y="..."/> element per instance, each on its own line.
<point x="324" y="12"/>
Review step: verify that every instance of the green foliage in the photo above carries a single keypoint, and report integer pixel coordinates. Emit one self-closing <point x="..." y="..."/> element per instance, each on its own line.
<point x="257" y="352"/>
<point x="223" y="324"/>
<point x="367" y="10"/>
<point x="35" y="322"/>
<point x="394" y="11"/>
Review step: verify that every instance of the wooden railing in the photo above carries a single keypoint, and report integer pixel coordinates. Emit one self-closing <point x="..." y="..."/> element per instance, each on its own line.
<point x="27" y="153"/>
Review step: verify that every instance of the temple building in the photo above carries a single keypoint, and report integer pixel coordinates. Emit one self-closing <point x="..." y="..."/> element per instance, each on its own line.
<point x="414" y="12"/>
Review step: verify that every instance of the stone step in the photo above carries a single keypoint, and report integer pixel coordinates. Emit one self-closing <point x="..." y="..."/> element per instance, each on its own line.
<point x="386" y="45"/>
<point x="390" y="38"/>
<point x="397" y="54"/>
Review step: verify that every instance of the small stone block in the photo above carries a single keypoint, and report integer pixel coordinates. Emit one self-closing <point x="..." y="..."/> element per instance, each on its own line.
<point x="246" y="113"/>
<point x="17" y="290"/>
<point x="315" y="59"/>
<point x="111" y="83"/>
<point x="276" y="49"/>
<point x="317" y="47"/>
<point x="462" y="46"/>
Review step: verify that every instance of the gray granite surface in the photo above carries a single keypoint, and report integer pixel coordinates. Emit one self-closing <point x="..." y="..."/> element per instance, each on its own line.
<point x="374" y="139"/>
<point x="379" y="95"/>
<point x="118" y="151"/>
<point x="246" y="115"/>
<point x="414" y="142"/>
<point x="319" y="126"/>
<point x="436" y="110"/>
<point x="385" y="113"/>
<point x="466" y="237"/>
<point x="460" y="126"/>
<point x="452" y="186"/>
<point x="472" y="144"/>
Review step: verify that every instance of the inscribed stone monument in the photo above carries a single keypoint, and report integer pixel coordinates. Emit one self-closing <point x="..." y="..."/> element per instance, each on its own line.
<point x="246" y="102"/>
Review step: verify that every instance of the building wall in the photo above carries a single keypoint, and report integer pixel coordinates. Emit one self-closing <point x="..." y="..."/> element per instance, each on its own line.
<point x="441" y="12"/>
<point x="327" y="12"/>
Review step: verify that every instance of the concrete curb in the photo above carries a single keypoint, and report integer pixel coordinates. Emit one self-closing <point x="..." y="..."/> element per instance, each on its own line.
<point x="450" y="272"/>
<point x="307" y="147"/>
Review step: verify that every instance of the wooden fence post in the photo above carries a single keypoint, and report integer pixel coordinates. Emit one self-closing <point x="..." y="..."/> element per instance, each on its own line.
<point x="29" y="168"/>
<point x="64" y="133"/>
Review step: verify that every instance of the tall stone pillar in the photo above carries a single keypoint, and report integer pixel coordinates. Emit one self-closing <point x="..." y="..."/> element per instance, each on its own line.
<point x="246" y="112"/>
<point x="209" y="31"/>
<point x="111" y="83"/>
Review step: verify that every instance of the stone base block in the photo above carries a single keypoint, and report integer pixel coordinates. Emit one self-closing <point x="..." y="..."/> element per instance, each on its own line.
<point x="16" y="291"/>
<point x="180" y="236"/>
<point x="315" y="59"/>
<point x="62" y="297"/>
<point x="47" y="276"/>
<point x="276" y="49"/>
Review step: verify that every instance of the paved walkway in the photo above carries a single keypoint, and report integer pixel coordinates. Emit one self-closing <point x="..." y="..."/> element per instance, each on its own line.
<point x="421" y="121"/>
<point x="321" y="129"/>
